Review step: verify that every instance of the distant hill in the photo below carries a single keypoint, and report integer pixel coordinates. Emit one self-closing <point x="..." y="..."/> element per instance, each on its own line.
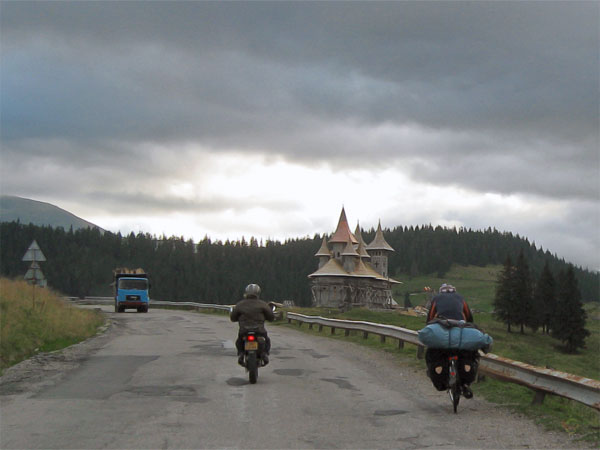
<point x="28" y="211"/>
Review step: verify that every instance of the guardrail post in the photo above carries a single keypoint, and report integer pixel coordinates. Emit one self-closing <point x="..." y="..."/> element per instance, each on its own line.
<point x="420" y="352"/>
<point x="310" y="325"/>
<point x="382" y="339"/>
<point x="289" y="320"/>
<point x="320" y="328"/>
<point x="332" y="330"/>
<point x="365" y="334"/>
<point x="538" y="398"/>
<point x="347" y="332"/>
<point x="400" y="344"/>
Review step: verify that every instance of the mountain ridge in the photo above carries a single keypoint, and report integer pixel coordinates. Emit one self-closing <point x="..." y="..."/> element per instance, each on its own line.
<point x="26" y="211"/>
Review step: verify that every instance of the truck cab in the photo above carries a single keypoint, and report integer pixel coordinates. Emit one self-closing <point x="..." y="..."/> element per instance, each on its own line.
<point x="131" y="291"/>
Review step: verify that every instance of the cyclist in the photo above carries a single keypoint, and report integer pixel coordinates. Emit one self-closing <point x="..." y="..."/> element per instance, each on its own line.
<point x="449" y="304"/>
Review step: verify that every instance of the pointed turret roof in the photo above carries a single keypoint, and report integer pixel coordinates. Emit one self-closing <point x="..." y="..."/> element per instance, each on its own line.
<point x="342" y="232"/>
<point x="379" y="243"/>
<point x="324" y="250"/>
<point x="349" y="250"/>
<point x="331" y="268"/>
<point x="361" y="243"/>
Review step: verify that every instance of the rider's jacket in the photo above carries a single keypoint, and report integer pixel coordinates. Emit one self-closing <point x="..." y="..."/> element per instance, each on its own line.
<point x="449" y="305"/>
<point x="251" y="314"/>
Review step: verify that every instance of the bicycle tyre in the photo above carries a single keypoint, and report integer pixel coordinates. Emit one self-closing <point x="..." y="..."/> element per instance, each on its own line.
<point x="455" y="397"/>
<point x="454" y="385"/>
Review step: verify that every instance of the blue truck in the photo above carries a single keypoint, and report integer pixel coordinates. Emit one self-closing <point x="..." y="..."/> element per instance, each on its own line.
<point x="131" y="290"/>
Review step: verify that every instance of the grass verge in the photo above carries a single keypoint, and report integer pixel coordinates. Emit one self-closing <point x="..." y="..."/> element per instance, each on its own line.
<point x="34" y="320"/>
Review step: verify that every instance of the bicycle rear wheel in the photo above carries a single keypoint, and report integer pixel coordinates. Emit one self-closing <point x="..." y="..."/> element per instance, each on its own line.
<point x="454" y="385"/>
<point x="455" y="395"/>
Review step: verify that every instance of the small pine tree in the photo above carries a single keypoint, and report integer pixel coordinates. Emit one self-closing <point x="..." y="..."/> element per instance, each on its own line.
<point x="568" y="322"/>
<point x="407" y="303"/>
<point x="544" y="298"/>
<point x="522" y="294"/>
<point x="503" y="308"/>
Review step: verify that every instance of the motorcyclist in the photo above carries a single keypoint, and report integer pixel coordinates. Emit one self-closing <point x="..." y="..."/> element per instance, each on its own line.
<point x="251" y="313"/>
<point x="449" y="304"/>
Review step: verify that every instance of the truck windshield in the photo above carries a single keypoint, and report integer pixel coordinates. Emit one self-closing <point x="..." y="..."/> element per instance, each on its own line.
<point x="139" y="285"/>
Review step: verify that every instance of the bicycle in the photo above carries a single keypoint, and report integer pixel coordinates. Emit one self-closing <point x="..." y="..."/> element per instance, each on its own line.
<point x="454" y="385"/>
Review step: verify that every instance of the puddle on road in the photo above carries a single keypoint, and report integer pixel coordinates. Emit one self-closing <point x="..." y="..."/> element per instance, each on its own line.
<point x="176" y="392"/>
<point x="289" y="372"/>
<point x="237" y="381"/>
<point x="314" y="354"/>
<point x="389" y="412"/>
<point x="342" y="384"/>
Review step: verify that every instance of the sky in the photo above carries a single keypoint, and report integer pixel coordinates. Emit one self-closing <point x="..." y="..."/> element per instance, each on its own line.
<point x="263" y="119"/>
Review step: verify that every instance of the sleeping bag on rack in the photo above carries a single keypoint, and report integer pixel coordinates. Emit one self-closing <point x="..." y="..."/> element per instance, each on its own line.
<point x="435" y="335"/>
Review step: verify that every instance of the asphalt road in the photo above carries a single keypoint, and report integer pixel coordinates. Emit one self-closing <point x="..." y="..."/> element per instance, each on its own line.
<point x="169" y="379"/>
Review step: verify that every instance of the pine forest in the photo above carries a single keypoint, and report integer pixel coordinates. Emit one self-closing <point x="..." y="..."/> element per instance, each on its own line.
<point x="80" y="263"/>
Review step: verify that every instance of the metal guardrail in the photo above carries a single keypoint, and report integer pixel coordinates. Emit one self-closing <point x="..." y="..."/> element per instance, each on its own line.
<point x="110" y="301"/>
<point x="541" y="380"/>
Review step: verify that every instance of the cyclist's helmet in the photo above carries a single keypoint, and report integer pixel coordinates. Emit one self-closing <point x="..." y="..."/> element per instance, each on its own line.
<point x="252" y="291"/>
<point x="447" y="288"/>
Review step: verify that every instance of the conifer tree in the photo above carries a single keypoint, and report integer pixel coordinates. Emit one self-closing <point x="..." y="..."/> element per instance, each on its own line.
<point x="568" y="322"/>
<point x="503" y="301"/>
<point x="544" y="298"/>
<point x="407" y="303"/>
<point x="522" y="294"/>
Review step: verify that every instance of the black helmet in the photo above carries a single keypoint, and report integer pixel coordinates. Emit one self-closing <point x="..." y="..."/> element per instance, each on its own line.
<point x="252" y="291"/>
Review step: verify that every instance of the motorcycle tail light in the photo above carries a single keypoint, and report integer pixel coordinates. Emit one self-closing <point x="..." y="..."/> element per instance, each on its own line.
<point x="251" y="338"/>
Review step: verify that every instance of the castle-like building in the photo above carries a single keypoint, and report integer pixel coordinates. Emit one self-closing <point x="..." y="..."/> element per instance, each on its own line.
<point x="352" y="273"/>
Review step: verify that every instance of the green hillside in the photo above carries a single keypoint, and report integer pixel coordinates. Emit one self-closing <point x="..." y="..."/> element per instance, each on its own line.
<point x="476" y="284"/>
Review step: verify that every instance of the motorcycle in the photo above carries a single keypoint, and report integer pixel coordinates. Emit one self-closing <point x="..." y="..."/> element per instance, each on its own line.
<point x="254" y="347"/>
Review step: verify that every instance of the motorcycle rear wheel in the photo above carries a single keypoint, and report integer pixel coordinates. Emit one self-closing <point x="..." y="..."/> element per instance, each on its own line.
<point x="252" y="366"/>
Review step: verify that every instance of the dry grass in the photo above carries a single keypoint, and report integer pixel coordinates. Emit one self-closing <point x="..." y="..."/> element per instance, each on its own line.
<point x="34" y="319"/>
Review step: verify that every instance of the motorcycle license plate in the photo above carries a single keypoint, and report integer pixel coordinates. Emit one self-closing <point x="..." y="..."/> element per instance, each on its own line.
<point x="251" y="345"/>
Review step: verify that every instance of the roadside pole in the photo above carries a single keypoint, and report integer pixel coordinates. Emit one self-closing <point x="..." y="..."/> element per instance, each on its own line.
<point x="34" y="274"/>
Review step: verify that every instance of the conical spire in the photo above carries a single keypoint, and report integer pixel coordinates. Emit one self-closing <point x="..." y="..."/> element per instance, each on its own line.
<point x="379" y="243"/>
<point x="342" y="232"/>
<point x="361" y="243"/>
<point x="349" y="250"/>
<point x="324" y="250"/>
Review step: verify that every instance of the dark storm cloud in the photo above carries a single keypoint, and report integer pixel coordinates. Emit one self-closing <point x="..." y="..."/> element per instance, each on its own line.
<point x="449" y="64"/>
